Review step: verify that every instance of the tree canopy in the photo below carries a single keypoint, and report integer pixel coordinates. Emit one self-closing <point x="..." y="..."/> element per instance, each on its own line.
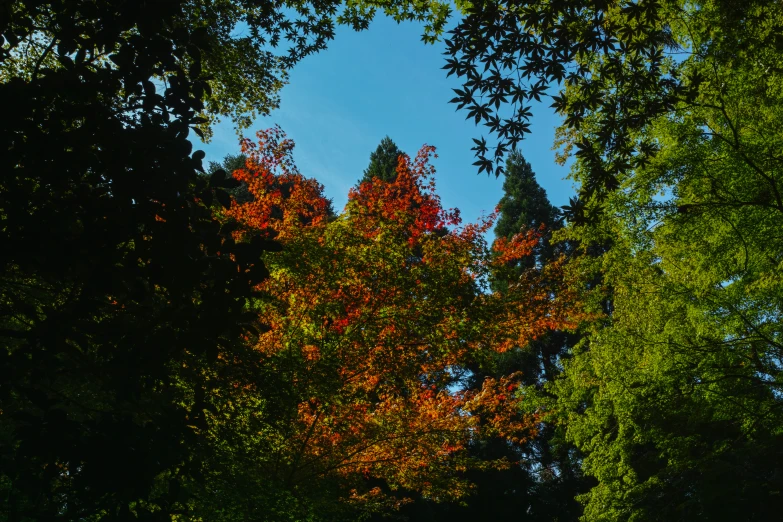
<point x="187" y="345"/>
<point x="374" y="319"/>
<point x="677" y="388"/>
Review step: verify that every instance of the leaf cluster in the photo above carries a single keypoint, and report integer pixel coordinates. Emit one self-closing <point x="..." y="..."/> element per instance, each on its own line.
<point x="608" y="60"/>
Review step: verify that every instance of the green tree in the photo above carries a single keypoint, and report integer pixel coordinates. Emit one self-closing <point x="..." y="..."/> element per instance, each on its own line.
<point x="383" y="162"/>
<point x="525" y="206"/>
<point x="679" y="387"/>
<point x="552" y="468"/>
<point x="669" y="111"/>
<point x="524" y="203"/>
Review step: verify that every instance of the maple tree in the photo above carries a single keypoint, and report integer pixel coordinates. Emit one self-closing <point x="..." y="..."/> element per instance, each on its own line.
<point x="543" y="483"/>
<point x="374" y="317"/>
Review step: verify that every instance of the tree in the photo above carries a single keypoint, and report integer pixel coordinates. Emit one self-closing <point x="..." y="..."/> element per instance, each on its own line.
<point x="123" y="297"/>
<point x="678" y="388"/>
<point x="525" y="207"/>
<point x="544" y="477"/>
<point x="668" y="111"/>
<point x="230" y="163"/>
<point x="554" y="477"/>
<point x="104" y="343"/>
<point x="373" y="315"/>
<point x="524" y="204"/>
<point x="383" y="162"/>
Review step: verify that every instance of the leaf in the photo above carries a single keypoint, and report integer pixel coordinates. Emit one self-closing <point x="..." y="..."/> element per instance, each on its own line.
<point x="223" y="198"/>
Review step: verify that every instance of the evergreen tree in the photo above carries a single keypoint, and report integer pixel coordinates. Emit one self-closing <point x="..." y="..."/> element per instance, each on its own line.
<point x="553" y="477"/>
<point x="525" y="206"/>
<point x="383" y="162"/>
<point x="524" y="203"/>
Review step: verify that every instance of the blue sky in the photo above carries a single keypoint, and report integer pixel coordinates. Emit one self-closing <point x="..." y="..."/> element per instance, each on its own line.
<point x="341" y="102"/>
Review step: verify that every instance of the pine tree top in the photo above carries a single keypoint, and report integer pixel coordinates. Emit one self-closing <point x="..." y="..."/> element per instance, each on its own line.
<point x="383" y="162"/>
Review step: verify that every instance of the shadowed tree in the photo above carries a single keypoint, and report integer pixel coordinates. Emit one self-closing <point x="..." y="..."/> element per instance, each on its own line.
<point x="230" y="163"/>
<point x="548" y="478"/>
<point x="123" y="300"/>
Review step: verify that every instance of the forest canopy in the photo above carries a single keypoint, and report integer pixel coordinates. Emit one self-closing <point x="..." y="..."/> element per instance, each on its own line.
<point x="188" y="341"/>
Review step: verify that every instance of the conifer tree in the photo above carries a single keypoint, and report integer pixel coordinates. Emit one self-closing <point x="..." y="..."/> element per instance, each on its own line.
<point x="383" y="162"/>
<point x="524" y="203"/>
<point x="553" y="477"/>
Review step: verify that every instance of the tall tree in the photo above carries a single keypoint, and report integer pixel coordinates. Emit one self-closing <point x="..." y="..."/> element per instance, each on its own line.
<point x="524" y="204"/>
<point x="544" y="476"/>
<point x="383" y="162"/>
<point x="552" y="464"/>
<point x="549" y="479"/>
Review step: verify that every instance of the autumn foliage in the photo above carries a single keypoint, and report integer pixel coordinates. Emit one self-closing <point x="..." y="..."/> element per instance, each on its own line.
<point x="374" y="316"/>
<point x="275" y="182"/>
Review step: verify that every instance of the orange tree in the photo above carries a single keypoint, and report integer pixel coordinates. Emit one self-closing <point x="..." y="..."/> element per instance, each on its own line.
<point x="374" y="316"/>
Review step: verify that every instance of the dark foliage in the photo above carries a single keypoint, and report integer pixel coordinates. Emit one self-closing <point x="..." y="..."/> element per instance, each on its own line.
<point x="525" y="205"/>
<point x="230" y="163"/>
<point x="544" y="484"/>
<point x="122" y="296"/>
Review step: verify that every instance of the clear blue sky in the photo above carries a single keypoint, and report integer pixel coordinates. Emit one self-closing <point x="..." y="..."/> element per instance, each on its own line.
<point x="341" y="102"/>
